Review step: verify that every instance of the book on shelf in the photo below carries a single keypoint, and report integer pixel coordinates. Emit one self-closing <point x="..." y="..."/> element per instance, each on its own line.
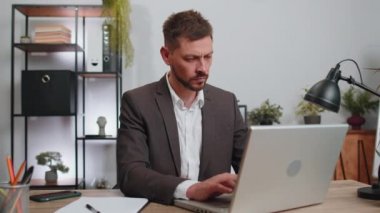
<point x="53" y="40"/>
<point x="52" y="34"/>
<point x="52" y="37"/>
<point x="51" y="28"/>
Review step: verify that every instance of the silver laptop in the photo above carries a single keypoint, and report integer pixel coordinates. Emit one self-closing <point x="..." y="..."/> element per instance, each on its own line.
<point x="284" y="167"/>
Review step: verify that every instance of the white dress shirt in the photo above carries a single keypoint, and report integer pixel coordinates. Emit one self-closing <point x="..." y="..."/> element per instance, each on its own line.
<point x="189" y="124"/>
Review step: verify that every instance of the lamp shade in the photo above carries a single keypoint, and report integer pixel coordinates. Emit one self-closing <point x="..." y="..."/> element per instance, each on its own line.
<point x="326" y="92"/>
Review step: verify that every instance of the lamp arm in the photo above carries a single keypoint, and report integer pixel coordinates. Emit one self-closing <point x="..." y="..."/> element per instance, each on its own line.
<point x="356" y="64"/>
<point x="351" y="80"/>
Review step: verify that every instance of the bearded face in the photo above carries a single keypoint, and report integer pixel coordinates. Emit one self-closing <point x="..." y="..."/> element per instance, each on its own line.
<point x="190" y="62"/>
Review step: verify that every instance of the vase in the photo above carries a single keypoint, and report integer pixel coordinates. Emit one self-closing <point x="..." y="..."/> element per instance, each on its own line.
<point x="312" y="119"/>
<point x="356" y="121"/>
<point x="51" y="176"/>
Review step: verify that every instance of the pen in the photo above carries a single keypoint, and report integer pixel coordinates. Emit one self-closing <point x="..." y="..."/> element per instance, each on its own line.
<point x="27" y="175"/>
<point x="10" y="170"/>
<point x="17" y="177"/>
<point x="92" y="209"/>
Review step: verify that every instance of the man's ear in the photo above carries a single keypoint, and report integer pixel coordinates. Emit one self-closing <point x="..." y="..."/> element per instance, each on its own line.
<point x="165" y="55"/>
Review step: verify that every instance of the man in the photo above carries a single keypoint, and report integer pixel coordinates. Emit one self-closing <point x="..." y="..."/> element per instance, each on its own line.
<point x="179" y="136"/>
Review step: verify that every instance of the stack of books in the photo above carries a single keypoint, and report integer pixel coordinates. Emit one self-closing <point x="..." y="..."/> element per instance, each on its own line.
<point x="52" y="34"/>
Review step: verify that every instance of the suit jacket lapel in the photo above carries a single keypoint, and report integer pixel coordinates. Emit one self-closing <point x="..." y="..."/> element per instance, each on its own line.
<point x="207" y="134"/>
<point x="165" y="106"/>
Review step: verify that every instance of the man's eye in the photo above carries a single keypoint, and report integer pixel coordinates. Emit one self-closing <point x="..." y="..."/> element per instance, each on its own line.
<point x="190" y="59"/>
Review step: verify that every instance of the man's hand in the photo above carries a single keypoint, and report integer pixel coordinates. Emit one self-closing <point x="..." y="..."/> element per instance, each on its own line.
<point x="214" y="186"/>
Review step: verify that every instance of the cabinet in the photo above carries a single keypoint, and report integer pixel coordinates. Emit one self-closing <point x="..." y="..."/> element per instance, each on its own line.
<point x="74" y="55"/>
<point x="356" y="157"/>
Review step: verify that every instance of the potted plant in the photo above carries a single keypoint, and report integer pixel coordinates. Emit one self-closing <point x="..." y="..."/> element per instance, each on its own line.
<point x="309" y="111"/>
<point x="358" y="102"/>
<point x="118" y="19"/>
<point x="266" y="114"/>
<point x="54" y="162"/>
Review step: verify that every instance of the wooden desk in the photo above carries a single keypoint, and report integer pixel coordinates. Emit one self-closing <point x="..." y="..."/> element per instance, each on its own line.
<point x="341" y="197"/>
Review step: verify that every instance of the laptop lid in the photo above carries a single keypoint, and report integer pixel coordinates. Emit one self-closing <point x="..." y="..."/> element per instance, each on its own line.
<point x="283" y="167"/>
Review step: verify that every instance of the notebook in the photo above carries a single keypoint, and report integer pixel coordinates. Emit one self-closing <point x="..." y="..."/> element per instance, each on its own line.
<point x="104" y="205"/>
<point x="283" y="167"/>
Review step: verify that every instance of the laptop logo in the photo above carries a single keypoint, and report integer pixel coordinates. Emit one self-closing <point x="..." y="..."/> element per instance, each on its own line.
<point x="294" y="168"/>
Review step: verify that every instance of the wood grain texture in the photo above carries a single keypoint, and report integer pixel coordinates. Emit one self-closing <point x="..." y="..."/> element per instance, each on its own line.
<point x="357" y="154"/>
<point x="341" y="197"/>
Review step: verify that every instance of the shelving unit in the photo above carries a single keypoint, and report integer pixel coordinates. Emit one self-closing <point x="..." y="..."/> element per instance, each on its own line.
<point x="78" y="13"/>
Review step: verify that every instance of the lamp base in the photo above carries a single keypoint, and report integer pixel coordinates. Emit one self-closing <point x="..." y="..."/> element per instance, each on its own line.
<point x="371" y="193"/>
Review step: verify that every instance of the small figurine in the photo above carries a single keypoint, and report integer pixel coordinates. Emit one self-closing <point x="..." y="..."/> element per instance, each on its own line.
<point x="102" y="121"/>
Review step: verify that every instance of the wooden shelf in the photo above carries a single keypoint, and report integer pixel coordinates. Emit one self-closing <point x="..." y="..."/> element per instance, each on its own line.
<point x="110" y="137"/>
<point x="60" y="10"/>
<point x="55" y="115"/>
<point x="37" y="47"/>
<point x="99" y="74"/>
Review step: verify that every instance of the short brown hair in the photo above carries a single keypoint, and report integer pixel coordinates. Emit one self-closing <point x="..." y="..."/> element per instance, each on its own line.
<point x="189" y="24"/>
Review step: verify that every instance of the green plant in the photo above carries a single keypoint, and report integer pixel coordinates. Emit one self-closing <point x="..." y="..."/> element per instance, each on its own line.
<point x="52" y="160"/>
<point x="118" y="18"/>
<point x="358" y="102"/>
<point x="267" y="113"/>
<point x="306" y="108"/>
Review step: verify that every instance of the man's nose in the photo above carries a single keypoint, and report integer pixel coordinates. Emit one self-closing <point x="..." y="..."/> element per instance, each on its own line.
<point x="202" y="65"/>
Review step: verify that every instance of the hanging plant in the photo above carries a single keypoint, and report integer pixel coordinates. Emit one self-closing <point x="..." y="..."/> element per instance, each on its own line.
<point x="118" y="19"/>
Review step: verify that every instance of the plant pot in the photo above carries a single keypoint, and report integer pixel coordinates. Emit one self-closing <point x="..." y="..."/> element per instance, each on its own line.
<point x="356" y="121"/>
<point x="266" y="122"/>
<point x="312" y="119"/>
<point x="51" y="176"/>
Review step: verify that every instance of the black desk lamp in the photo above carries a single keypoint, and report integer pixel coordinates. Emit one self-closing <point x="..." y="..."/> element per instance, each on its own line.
<point x="326" y="93"/>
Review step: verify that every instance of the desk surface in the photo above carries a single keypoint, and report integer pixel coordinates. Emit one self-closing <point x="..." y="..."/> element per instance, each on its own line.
<point x="341" y="197"/>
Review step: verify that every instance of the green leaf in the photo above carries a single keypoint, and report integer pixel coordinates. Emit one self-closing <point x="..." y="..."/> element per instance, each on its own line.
<point x="358" y="102"/>
<point x="266" y="113"/>
<point x="52" y="160"/>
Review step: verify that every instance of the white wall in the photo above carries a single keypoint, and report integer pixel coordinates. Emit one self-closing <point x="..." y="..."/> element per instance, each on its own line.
<point x="263" y="49"/>
<point x="267" y="49"/>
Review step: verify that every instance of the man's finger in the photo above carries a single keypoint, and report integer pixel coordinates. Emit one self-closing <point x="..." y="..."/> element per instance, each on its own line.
<point x="224" y="189"/>
<point x="229" y="183"/>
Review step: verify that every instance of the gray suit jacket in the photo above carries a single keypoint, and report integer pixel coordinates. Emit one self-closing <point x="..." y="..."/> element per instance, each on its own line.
<point x="148" y="155"/>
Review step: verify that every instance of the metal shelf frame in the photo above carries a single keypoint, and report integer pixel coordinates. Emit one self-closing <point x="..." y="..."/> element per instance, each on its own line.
<point x="77" y="12"/>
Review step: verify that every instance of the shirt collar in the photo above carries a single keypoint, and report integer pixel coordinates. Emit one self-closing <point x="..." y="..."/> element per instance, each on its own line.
<point x="199" y="100"/>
